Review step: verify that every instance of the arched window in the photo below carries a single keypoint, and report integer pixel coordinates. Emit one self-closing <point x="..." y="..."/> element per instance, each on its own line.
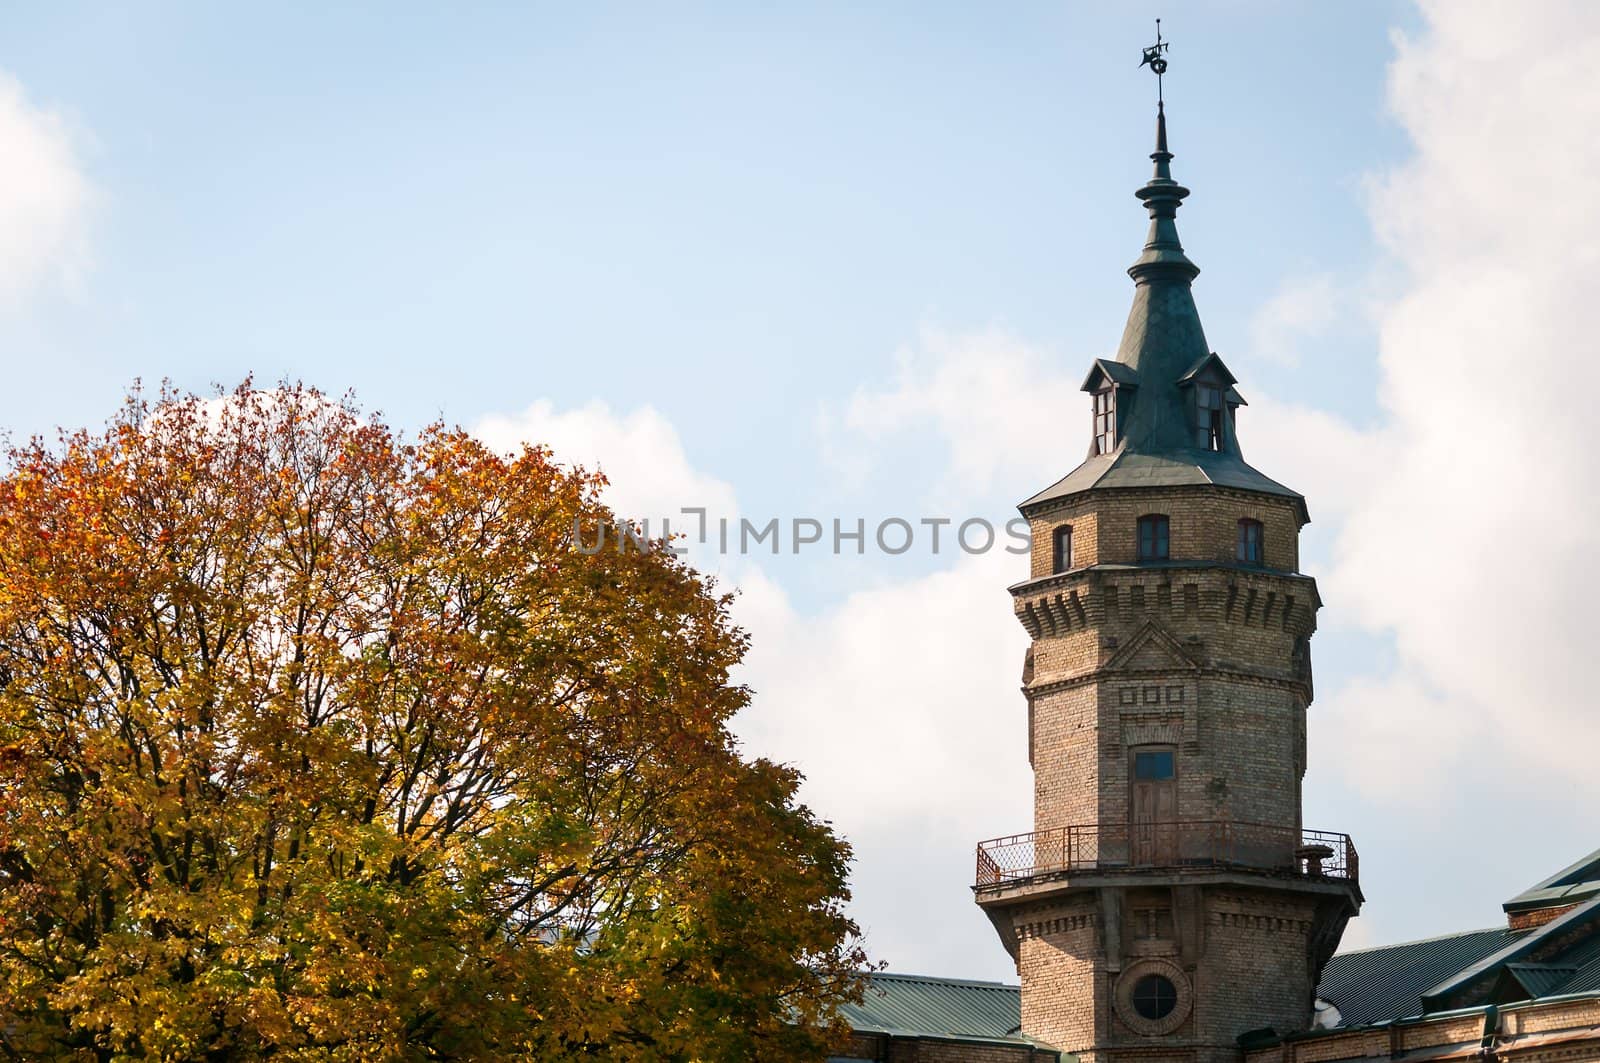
<point x="1062" y="558"/>
<point x="1105" y="420"/>
<point x="1250" y="546"/>
<point x="1153" y="537"/>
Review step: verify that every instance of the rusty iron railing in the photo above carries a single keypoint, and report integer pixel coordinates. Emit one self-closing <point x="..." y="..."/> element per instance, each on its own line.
<point x="1180" y="845"/>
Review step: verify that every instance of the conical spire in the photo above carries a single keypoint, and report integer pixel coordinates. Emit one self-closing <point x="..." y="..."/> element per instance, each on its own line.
<point x="1155" y="422"/>
<point x="1163" y="340"/>
<point x="1162" y="196"/>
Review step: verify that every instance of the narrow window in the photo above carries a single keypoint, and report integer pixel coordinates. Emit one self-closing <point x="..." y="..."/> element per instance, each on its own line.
<point x="1105" y="421"/>
<point x="1250" y="541"/>
<point x="1063" y="549"/>
<point x="1208" y="416"/>
<point x="1153" y="537"/>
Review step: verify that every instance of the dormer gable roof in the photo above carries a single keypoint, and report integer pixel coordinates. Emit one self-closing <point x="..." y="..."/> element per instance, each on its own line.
<point x="1210" y="368"/>
<point x="1106" y="371"/>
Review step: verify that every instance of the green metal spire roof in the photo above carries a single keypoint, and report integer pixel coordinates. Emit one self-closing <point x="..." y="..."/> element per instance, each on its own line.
<point x="1163" y="353"/>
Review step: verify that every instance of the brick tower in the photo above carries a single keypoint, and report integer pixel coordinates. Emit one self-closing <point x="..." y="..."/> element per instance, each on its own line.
<point x="1169" y="899"/>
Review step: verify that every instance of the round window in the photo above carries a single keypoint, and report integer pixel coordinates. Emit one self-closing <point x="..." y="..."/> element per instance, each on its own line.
<point x="1154" y="996"/>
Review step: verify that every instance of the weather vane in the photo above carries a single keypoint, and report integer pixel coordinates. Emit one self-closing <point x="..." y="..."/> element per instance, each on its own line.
<point x="1155" y="60"/>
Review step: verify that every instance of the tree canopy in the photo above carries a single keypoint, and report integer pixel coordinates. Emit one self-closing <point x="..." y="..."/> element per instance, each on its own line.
<point x="320" y="744"/>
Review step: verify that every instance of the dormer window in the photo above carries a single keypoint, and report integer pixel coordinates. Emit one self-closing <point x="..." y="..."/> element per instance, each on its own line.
<point x="1105" y="420"/>
<point x="1062" y="559"/>
<point x="1109" y="384"/>
<point x="1250" y="551"/>
<point x="1153" y="537"/>
<point x="1208" y="416"/>
<point x="1212" y="400"/>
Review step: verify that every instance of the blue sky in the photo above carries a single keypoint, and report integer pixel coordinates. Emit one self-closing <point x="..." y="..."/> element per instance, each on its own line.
<point x="670" y="204"/>
<point x="733" y="249"/>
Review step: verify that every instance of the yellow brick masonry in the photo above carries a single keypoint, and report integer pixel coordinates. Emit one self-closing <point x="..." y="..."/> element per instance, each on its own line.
<point x="1209" y="658"/>
<point x="930" y="1049"/>
<point x="1560" y="1031"/>
<point x="1203" y="524"/>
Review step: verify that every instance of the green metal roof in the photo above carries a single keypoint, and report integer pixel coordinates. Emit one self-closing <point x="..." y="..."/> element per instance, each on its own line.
<point x="1567" y="886"/>
<point x="1125" y="467"/>
<point x="1558" y="958"/>
<point x="914" y="1005"/>
<point x="1536" y="980"/>
<point x="1587" y="980"/>
<point x="1163" y="351"/>
<point x="1376" y="985"/>
<point x="1544" y="943"/>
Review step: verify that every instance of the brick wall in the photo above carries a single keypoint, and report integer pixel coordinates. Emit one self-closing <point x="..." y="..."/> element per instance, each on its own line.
<point x="1203" y="525"/>
<point x="1224" y="679"/>
<point x="903" y="1049"/>
<point x="1211" y="660"/>
<point x="1060" y="959"/>
<point x="1254" y="971"/>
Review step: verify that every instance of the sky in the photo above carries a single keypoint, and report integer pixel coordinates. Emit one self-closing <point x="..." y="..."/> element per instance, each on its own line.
<point x="827" y="263"/>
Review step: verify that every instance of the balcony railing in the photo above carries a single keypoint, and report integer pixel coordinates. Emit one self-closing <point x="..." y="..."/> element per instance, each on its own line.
<point x="1188" y="845"/>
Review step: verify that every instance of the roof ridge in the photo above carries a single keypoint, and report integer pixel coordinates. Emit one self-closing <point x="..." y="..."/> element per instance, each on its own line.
<point x="1583" y="914"/>
<point x="940" y="980"/>
<point x="1425" y="941"/>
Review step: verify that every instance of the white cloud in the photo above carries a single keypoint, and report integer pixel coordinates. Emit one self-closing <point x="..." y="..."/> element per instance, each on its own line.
<point x="899" y="703"/>
<point x="45" y="198"/>
<point x="1318" y="453"/>
<point x="1304" y="305"/>
<point x="1465" y="523"/>
<point x="650" y="475"/>
<point x="988" y="396"/>
<point x="1470" y="517"/>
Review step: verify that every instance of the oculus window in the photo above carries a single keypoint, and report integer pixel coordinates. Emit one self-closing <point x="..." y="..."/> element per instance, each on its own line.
<point x="1154" y="996"/>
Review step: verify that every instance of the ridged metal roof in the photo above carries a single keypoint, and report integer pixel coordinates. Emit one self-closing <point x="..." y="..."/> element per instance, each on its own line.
<point x="1567" y="886"/>
<point x="1376" y="985"/>
<point x="1536" y="944"/>
<point x="1399" y="981"/>
<point x="1126" y="467"/>
<point x="938" y="1007"/>
<point x="1587" y="980"/>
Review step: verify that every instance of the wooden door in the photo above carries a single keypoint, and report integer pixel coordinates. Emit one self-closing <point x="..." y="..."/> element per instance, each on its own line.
<point x="1153" y="805"/>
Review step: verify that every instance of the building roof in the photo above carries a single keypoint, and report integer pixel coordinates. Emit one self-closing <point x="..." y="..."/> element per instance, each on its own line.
<point x="1125" y="467"/>
<point x="1376" y="985"/>
<point x="915" y="1005"/>
<point x="1567" y="886"/>
<point x="1559" y="956"/>
<point x="1162" y="354"/>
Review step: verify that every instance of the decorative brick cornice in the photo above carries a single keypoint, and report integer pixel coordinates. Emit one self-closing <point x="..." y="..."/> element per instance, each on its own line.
<point x="1092" y="597"/>
<point x="1233" y="673"/>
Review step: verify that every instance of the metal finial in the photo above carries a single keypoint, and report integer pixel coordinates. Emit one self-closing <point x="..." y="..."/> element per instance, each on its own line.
<point x="1157" y="62"/>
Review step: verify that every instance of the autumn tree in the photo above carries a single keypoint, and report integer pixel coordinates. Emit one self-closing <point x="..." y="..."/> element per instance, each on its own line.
<point x="319" y="745"/>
